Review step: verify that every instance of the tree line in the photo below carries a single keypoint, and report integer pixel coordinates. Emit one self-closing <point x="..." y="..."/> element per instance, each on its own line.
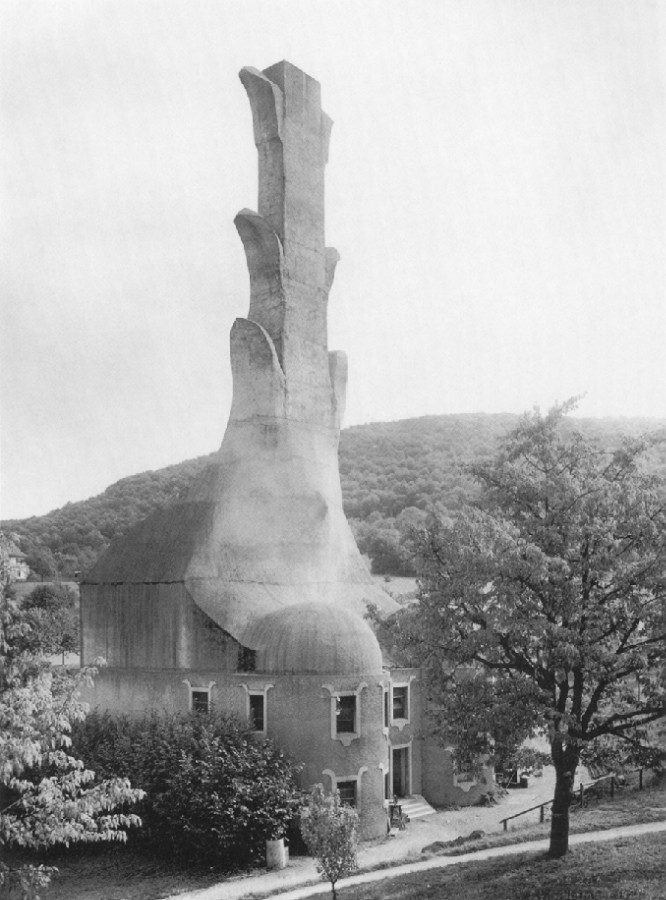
<point x="393" y="474"/>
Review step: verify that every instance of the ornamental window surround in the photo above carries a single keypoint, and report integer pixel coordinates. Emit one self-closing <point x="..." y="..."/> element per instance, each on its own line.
<point x="199" y="696"/>
<point x="349" y="786"/>
<point x="345" y="713"/>
<point x="347" y="790"/>
<point x="400" y="702"/>
<point x="257" y="714"/>
<point x="256" y="707"/>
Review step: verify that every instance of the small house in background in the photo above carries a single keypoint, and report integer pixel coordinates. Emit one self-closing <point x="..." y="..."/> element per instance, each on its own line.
<point x="19" y="570"/>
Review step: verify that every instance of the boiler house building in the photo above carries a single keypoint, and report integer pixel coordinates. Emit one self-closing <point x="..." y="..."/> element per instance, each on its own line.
<point x="249" y="593"/>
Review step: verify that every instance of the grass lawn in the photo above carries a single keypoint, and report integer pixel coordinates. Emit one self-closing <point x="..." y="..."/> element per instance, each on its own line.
<point x="630" y="807"/>
<point x="624" y="869"/>
<point x="119" y="872"/>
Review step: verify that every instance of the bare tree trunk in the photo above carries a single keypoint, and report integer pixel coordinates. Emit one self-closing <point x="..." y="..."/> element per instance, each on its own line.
<point x="565" y="758"/>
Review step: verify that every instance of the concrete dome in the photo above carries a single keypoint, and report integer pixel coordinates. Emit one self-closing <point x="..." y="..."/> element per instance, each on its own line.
<point x="314" y="638"/>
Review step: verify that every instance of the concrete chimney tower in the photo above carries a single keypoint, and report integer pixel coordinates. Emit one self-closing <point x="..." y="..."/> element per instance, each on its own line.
<point x="263" y="528"/>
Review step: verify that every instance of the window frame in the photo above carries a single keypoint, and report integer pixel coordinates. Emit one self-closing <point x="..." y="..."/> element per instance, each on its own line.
<point x="404" y="693"/>
<point x="405" y="682"/>
<point x="336" y="780"/>
<point x="198" y="688"/>
<point x="256" y="690"/>
<point x="345" y="737"/>
<point x="351" y="707"/>
<point x="247" y="659"/>
<point x="350" y="783"/>
<point x="252" y="718"/>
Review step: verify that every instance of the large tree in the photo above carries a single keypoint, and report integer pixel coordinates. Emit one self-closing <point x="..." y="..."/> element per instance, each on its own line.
<point x="47" y="796"/>
<point x="541" y="607"/>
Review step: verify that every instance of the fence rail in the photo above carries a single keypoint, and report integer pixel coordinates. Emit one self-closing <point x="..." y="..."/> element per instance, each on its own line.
<point x="613" y="778"/>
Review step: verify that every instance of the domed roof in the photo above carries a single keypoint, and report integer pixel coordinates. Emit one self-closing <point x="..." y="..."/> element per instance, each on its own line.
<point x="314" y="638"/>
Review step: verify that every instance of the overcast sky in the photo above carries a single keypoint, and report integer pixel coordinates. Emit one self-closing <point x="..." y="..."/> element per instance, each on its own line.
<point x="496" y="190"/>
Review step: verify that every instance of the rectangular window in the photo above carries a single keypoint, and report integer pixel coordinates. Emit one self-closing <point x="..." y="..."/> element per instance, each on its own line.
<point x="346" y="714"/>
<point x="386" y="709"/>
<point x="200" y="701"/>
<point x="257" y="712"/>
<point x="247" y="659"/>
<point x="347" y="792"/>
<point x="401" y="702"/>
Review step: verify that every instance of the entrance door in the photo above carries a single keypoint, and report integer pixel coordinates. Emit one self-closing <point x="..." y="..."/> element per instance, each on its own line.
<point x="401" y="786"/>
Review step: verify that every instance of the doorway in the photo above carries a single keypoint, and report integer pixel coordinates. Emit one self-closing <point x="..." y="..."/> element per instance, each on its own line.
<point x="400" y="771"/>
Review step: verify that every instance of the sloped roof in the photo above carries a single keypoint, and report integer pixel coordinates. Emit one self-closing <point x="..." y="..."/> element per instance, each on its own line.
<point x="236" y="583"/>
<point x="158" y="549"/>
<point x="13" y="550"/>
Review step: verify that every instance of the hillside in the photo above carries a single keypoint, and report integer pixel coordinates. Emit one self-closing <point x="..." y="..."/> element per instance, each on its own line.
<point x="392" y="473"/>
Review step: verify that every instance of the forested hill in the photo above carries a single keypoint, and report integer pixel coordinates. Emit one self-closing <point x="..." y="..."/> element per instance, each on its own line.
<point x="392" y="472"/>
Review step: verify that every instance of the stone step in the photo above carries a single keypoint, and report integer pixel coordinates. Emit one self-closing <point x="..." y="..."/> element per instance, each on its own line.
<point x="416" y="807"/>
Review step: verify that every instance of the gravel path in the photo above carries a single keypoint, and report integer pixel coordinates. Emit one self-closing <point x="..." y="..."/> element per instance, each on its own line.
<point x="441" y="862"/>
<point x="400" y="847"/>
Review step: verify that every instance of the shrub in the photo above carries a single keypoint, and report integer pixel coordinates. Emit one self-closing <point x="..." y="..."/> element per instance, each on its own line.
<point x="52" y="612"/>
<point x="330" y="832"/>
<point x="213" y="790"/>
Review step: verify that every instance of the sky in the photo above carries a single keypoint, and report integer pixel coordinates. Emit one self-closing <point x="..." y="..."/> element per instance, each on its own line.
<point x="496" y="189"/>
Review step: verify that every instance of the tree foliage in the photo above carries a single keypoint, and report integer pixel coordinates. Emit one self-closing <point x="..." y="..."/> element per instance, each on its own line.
<point x="47" y="796"/>
<point x="42" y="562"/>
<point x="212" y="788"/>
<point x="542" y="605"/>
<point x="52" y="611"/>
<point x="330" y="832"/>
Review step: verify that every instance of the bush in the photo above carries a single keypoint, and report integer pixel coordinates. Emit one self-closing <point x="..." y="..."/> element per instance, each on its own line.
<point x="330" y="832"/>
<point x="52" y="612"/>
<point x="212" y="789"/>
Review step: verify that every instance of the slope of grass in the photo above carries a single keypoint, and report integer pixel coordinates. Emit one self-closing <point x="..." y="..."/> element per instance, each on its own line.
<point x="125" y="873"/>
<point x="115" y="872"/>
<point x="621" y="869"/>
<point x="630" y="807"/>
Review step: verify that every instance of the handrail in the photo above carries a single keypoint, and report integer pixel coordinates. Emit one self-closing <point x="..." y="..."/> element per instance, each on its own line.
<point x="581" y="792"/>
<point x="531" y="808"/>
<point x="613" y="776"/>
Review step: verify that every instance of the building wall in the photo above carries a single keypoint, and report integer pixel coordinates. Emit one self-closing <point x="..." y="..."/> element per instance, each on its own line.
<point x="19" y="570"/>
<point x="403" y="732"/>
<point x="151" y="626"/>
<point x="299" y="716"/>
<point x="442" y="785"/>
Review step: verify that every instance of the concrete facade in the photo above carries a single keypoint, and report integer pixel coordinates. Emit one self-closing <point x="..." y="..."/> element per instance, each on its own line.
<point x="249" y="593"/>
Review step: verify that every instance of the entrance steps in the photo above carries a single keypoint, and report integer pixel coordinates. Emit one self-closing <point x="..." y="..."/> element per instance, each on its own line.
<point x="416" y="807"/>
